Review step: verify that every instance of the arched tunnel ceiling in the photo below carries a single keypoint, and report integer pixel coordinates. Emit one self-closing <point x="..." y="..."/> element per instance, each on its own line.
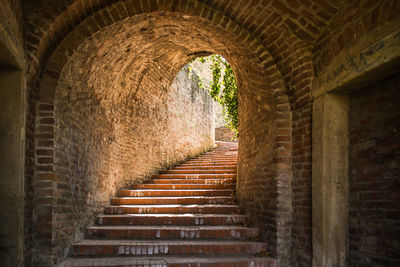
<point x="126" y="52"/>
<point x="301" y="35"/>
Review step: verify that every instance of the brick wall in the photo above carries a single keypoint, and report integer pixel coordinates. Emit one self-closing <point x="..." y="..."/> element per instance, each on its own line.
<point x="301" y="194"/>
<point x="265" y="152"/>
<point x="109" y="128"/>
<point x="374" y="198"/>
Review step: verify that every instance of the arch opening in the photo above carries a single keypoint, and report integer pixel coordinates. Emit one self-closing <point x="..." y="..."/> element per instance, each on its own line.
<point x="116" y="112"/>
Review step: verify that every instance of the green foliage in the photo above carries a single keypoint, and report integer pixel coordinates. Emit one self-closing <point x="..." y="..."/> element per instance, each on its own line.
<point x="200" y="82"/>
<point x="215" y="84"/>
<point x="202" y="59"/>
<point x="228" y="97"/>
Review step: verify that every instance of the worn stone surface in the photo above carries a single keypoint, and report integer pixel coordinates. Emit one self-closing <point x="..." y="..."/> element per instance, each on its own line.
<point x="374" y="200"/>
<point x="330" y="179"/>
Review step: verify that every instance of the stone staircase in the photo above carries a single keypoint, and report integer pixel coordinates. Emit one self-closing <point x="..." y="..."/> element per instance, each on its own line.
<point x="187" y="216"/>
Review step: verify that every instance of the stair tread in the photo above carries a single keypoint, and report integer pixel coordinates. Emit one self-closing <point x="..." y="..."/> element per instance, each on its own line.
<point x="172" y="215"/>
<point x="172" y="242"/>
<point x="174" y="205"/>
<point x="176" y="190"/>
<point x="195" y="174"/>
<point x="157" y="227"/>
<point x="180" y="197"/>
<point x="163" y="261"/>
<point x="171" y="227"/>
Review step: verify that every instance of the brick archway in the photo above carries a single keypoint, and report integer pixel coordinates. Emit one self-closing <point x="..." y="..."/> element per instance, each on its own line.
<point x="261" y="88"/>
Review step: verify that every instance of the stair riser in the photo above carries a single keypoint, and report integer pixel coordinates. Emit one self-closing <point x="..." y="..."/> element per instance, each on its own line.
<point x="171" y="210"/>
<point x="208" y="164"/>
<point x="185" y="201"/>
<point x="199" y="172"/>
<point x="216" y="159"/>
<point x="131" y="261"/>
<point x="185" y="186"/>
<point x="194" y="181"/>
<point x="242" y="234"/>
<point x="134" y="250"/>
<point x="221" y="162"/>
<point x="170" y="220"/>
<point x="174" y="193"/>
<point x="192" y="176"/>
<point x="206" y="168"/>
<point x="243" y="263"/>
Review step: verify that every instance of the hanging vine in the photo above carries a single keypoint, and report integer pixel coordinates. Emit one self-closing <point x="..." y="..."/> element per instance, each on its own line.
<point x="228" y="96"/>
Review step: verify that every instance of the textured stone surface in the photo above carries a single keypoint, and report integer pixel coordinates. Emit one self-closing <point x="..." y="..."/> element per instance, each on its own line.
<point x="330" y="180"/>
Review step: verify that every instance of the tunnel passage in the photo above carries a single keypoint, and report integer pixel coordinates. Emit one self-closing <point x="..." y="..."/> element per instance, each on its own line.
<point x="115" y="116"/>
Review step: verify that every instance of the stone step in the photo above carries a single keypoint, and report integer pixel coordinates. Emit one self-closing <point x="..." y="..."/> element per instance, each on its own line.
<point x="193" y="181"/>
<point x="185" y="186"/>
<point x="103" y="248"/>
<point x="218" y="156"/>
<point x="175" y="192"/>
<point x="234" y="159"/>
<point x="191" y="171"/>
<point x="172" y="200"/>
<point x="229" y="167"/>
<point x="173" y="219"/>
<point x="172" y="209"/>
<point x="208" y="164"/>
<point x="197" y="176"/>
<point x="195" y="161"/>
<point x="172" y="232"/>
<point x="171" y="261"/>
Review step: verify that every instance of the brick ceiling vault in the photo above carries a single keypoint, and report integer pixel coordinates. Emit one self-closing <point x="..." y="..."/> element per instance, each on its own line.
<point x="51" y="46"/>
<point x="302" y="36"/>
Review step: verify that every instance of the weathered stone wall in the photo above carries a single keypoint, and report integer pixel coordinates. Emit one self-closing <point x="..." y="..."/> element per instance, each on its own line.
<point x="104" y="140"/>
<point x="375" y="175"/>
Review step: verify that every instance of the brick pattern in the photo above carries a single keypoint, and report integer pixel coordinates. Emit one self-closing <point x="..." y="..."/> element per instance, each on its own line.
<point x="167" y="223"/>
<point x="100" y="132"/>
<point x="375" y="175"/>
<point x="297" y="37"/>
<point x="45" y="180"/>
<point x="301" y="194"/>
<point x="355" y="22"/>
